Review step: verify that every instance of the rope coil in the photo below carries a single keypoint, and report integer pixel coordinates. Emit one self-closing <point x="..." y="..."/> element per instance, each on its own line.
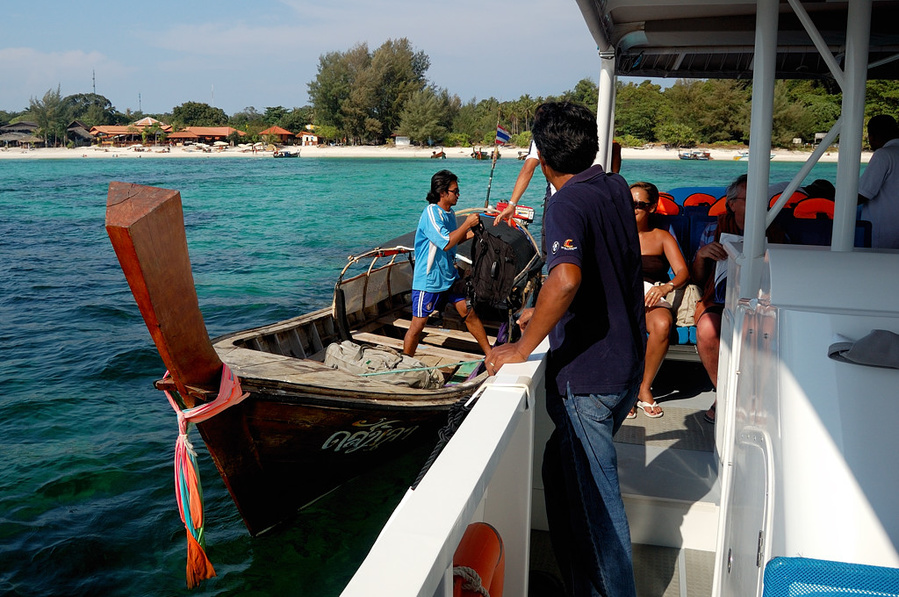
<point x="471" y="580"/>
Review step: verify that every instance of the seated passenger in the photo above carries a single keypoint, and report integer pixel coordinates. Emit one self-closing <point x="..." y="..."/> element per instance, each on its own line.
<point x="660" y="253"/>
<point x="878" y="188"/>
<point x="709" y="253"/>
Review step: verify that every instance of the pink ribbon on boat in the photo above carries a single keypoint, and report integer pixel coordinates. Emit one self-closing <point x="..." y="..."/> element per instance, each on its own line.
<point x="188" y="490"/>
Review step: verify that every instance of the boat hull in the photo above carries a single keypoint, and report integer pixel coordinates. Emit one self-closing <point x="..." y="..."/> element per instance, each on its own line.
<point x="278" y="453"/>
<point x="309" y="422"/>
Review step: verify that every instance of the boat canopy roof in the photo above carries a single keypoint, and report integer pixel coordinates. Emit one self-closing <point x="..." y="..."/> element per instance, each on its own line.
<point x="715" y="38"/>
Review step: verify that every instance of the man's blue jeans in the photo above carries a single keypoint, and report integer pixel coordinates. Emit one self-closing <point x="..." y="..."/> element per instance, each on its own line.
<point x="587" y="523"/>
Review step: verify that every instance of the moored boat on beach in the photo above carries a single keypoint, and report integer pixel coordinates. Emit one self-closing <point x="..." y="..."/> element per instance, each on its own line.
<point x="695" y="154"/>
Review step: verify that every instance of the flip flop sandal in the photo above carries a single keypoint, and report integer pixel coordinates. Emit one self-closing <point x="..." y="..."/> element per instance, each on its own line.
<point x="650" y="405"/>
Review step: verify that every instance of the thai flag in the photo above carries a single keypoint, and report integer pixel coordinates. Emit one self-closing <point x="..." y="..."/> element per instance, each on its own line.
<point x="502" y="135"/>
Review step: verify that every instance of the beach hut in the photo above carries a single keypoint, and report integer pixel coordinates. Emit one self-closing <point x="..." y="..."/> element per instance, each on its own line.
<point x="78" y="134"/>
<point x="272" y="132"/>
<point x="308" y="139"/>
<point x="20" y="133"/>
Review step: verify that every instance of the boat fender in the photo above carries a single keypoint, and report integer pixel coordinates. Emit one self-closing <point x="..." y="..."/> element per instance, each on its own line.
<point x="479" y="562"/>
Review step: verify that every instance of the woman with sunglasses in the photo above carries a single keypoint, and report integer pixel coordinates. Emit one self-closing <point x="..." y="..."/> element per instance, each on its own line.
<point x="661" y="254"/>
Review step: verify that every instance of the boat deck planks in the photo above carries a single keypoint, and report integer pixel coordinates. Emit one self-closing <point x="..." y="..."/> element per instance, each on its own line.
<point x="424" y="349"/>
<point x="438" y="336"/>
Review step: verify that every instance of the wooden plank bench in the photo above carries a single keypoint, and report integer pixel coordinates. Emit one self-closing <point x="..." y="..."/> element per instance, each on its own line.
<point x="424" y="350"/>
<point x="430" y="335"/>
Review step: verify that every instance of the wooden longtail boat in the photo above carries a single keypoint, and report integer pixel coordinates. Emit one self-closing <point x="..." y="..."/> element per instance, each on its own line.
<point x="305" y="428"/>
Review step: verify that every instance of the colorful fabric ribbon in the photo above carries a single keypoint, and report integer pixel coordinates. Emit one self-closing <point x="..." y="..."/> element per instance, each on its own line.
<point x="188" y="490"/>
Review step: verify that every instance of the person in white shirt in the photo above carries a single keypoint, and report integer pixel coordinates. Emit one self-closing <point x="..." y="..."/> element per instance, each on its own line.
<point x="527" y="172"/>
<point x="878" y="188"/>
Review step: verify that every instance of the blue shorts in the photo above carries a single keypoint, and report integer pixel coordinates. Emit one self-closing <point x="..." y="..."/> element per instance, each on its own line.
<point x="425" y="303"/>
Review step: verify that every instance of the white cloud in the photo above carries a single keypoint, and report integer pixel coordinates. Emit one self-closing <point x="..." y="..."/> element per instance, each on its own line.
<point x="266" y="54"/>
<point x="32" y="73"/>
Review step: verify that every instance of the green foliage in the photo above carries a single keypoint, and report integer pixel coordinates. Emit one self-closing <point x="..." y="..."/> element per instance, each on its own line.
<point x="327" y="132"/>
<point x="244" y="119"/>
<point x="638" y="109"/>
<point x="363" y="93"/>
<point x="520" y="113"/>
<point x="881" y="97"/>
<point x="819" y="107"/>
<point x="273" y="116"/>
<point x="456" y="140"/>
<point x="630" y="141"/>
<point x="676" y="134"/>
<point x="477" y="120"/>
<point x="296" y="119"/>
<point x="52" y="116"/>
<point x="198" y="114"/>
<point x="422" y="116"/>
<point x="522" y="139"/>
<point x="91" y="109"/>
<point x="585" y="93"/>
<point x="785" y="126"/>
<point x="714" y="110"/>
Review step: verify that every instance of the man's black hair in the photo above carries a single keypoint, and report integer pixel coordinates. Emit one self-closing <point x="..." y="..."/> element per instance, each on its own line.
<point x="440" y="183"/>
<point x="884" y="124"/>
<point x="565" y="135"/>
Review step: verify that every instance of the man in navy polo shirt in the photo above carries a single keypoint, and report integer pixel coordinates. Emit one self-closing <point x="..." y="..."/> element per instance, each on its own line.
<point x="591" y="306"/>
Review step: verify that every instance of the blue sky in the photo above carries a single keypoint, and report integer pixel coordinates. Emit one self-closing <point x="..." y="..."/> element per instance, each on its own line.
<point x="239" y="53"/>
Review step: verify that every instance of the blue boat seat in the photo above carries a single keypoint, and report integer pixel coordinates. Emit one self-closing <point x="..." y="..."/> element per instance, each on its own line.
<point x="786" y="577"/>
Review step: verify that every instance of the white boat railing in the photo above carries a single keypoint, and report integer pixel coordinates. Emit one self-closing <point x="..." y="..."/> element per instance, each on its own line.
<point x="483" y="474"/>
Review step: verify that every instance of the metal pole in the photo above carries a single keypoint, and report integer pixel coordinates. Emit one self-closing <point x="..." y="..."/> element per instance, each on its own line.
<point x="605" y="109"/>
<point x="804" y="170"/>
<point x="759" y="146"/>
<point x="858" y="32"/>
<point x="493" y="165"/>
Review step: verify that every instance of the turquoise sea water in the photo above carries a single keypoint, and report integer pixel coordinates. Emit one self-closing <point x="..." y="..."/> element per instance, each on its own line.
<point x="86" y="443"/>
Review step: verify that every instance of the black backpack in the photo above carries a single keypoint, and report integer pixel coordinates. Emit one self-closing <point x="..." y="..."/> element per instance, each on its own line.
<point x="503" y="259"/>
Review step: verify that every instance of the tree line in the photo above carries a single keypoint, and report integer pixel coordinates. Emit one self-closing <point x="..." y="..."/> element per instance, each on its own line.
<point x="361" y="96"/>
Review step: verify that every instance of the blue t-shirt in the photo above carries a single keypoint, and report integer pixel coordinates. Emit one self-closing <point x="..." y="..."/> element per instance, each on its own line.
<point x="435" y="269"/>
<point x="599" y="344"/>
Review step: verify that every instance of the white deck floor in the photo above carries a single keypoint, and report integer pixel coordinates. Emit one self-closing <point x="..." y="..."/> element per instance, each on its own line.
<point x="666" y="465"/>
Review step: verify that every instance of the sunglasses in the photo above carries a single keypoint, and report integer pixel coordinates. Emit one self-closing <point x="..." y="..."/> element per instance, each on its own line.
<point x="453" y="191"/>
<point x="642" y="205"/>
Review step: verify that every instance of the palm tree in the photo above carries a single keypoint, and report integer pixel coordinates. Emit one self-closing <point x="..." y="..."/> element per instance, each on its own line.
<point x="51" y="115"/>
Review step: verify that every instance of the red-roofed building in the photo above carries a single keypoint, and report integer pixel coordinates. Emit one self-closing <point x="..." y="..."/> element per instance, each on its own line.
<point x="276" y="131"/>
<point x="208" y="134"/>
<point x="183" y="136"/>
<point x="126" y="134"/>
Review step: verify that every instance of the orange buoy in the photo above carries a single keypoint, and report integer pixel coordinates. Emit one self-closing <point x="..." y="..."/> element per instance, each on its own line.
<point x="479" y="563"/>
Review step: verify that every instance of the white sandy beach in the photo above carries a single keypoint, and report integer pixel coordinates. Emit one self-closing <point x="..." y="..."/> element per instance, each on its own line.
<point x="654" y="153"/>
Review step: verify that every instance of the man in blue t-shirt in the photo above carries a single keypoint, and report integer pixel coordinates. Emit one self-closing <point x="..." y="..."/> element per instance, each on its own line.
<point x="435" y="273"/>
<point x="591" y="306"/>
